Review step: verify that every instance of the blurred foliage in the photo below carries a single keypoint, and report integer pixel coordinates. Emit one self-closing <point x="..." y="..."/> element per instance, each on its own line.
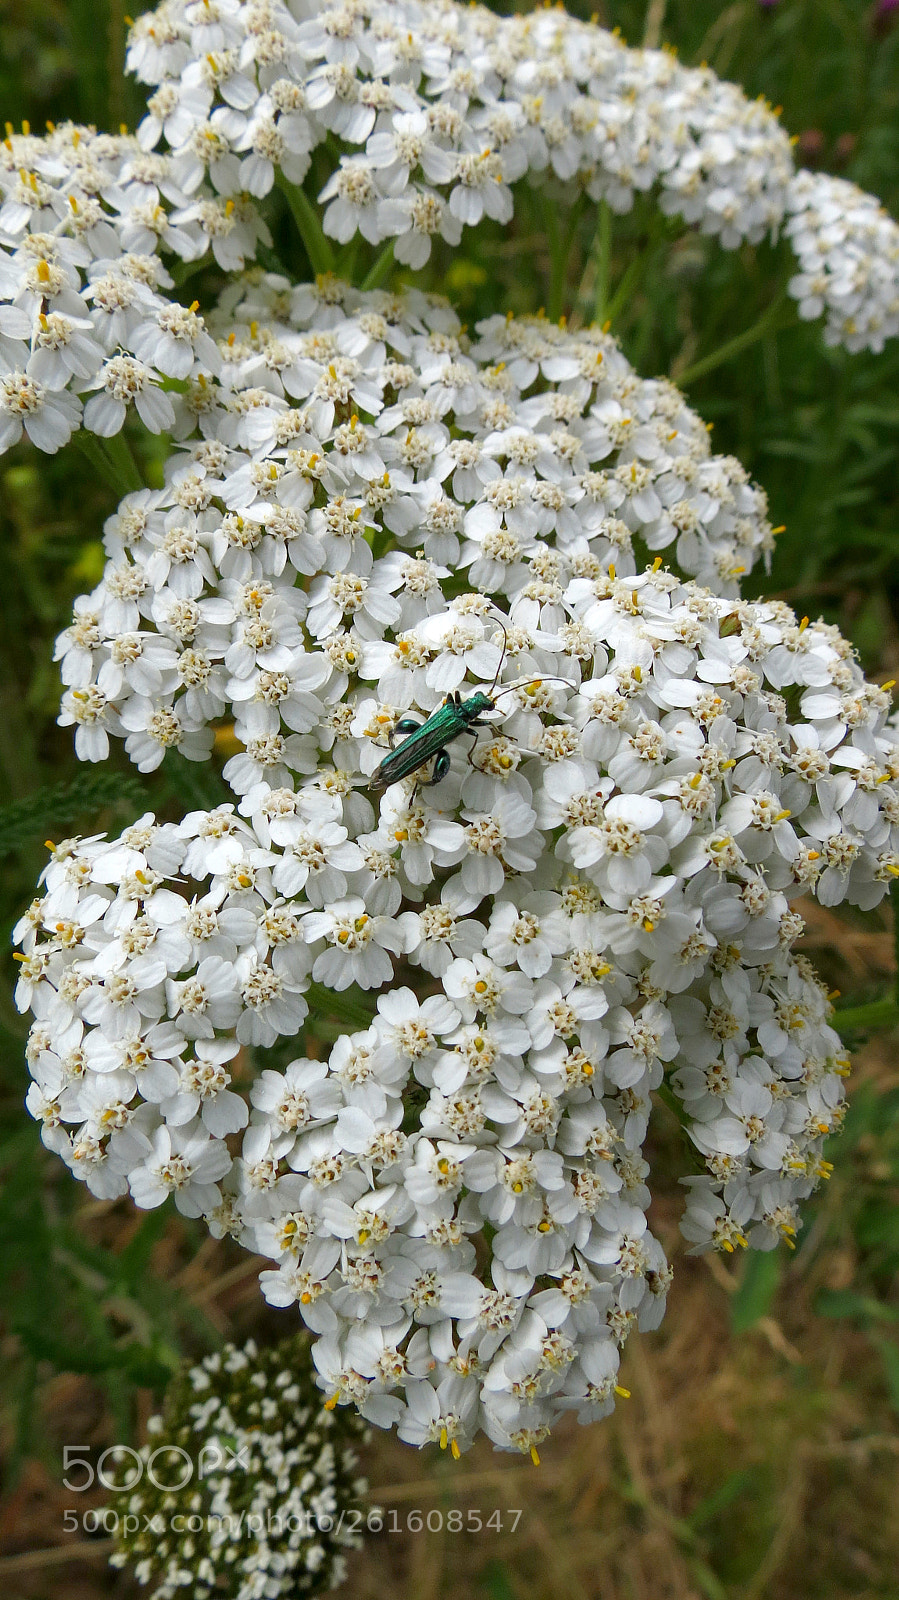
<point x="97" y="1290"/>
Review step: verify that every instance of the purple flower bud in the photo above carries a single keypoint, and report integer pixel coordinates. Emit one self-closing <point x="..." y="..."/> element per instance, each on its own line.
<point x="882" y="16"/>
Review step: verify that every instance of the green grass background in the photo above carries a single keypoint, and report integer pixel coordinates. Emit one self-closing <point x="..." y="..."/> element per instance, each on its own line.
<point x="760" y="1454"/>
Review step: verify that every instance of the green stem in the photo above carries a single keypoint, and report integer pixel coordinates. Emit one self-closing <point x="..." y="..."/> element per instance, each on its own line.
<point x="669" y="1099"/>
<point x="345" y="261"/>
<point x="381" y="268"/>
<point x="317" y="247"/>
<point x="633" y="274"/>
<point x="337" y="1003"/>
<point x="183" y="271"/>
<point x="638" y="267"/>
<point x="603" y="261"/>
<point x="773" y="320"/>
<point x="894" y="904"/>
<point x="551" y="229"/>
<point x="560" y="252"/>
<point x="113" y="459"/>
<point x="122" y="457"/>
<point x="877" y="1014"/>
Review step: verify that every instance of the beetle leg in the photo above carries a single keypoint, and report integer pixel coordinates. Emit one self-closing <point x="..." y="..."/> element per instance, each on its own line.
<point x="405" y="726"/>
<point x="471" y="762"/>
<point x="441" y="768"/>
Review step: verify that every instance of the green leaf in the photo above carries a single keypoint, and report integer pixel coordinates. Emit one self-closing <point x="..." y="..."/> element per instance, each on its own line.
<point x="877" y="1014"/>
<point x="496" y="1581"/>
<point x="888" y="1351"/>
<point x="847" y="1303"/>
<point x="133" y="1261"/>
<point x="47" y="810"/>
<point x="318" y="248"/>
<point x="757" y="1288"/>
<point x="713" y="1504"/>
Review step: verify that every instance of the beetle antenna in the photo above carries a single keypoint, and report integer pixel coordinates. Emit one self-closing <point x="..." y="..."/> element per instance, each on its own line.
<point x="543" y="677"/>
<point x="502" y="658"/>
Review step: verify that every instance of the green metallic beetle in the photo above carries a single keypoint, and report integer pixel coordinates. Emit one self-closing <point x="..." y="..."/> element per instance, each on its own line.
<point x="427" y="741"/>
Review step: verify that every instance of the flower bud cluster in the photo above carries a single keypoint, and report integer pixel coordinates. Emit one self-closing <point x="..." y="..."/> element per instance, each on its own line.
<point x="293" y="539"/>
<point x="270" y="1499"/>
<point x="456" y="1198"/>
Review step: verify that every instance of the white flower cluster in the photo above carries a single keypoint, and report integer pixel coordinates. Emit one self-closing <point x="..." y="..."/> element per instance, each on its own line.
<point x="85" y="308"/>
<point x="295" y="541"/>
<point x="456" y="1198"/>
<point x="448" y="105"/>
<point x="272" y="1500"/>
<point x="368" y="516"/>
<point x="848" y="249"/>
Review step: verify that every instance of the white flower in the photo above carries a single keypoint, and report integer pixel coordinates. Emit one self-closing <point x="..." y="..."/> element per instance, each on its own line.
<point x="124" y="381"/>
<point x="46" y="415"/>
<point x="357" y="945"/>
<point x="185" y="1164"/>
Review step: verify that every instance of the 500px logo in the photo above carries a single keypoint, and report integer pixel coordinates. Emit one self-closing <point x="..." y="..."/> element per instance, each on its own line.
<point x="169" y="1467"/>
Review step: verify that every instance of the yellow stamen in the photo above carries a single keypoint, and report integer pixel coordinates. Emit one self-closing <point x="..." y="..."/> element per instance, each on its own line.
<point x="625" y="1394"/>
<point x="534" y="1456"/>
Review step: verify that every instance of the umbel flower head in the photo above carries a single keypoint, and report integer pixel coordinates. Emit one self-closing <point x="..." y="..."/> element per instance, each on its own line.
<point x="269" y="1496"/>
<point x="435" y="112"/>
<point x="367" y="517"/>
<point x="602" y="897"/>
<point x="296" y="540"/>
